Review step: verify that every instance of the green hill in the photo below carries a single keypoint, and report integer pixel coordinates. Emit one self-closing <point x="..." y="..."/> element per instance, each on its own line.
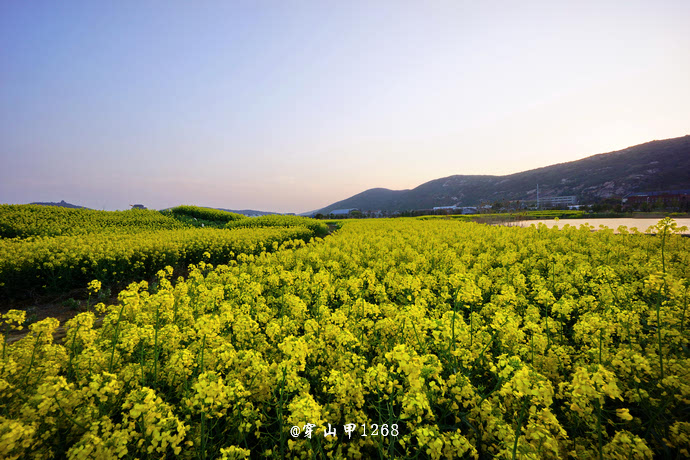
<point x="656" y="165"/>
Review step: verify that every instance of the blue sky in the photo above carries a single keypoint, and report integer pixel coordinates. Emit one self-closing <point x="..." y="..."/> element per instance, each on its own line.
<point x="289" y="106"/>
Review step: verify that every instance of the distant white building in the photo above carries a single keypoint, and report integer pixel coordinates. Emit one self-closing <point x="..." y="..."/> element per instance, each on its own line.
<point x="342" y="212"/>
<point x="462" y="209"/>
<point x="557" y="201"/>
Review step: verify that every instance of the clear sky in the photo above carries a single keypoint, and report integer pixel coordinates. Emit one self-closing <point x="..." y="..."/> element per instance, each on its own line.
<point x="291" y="105"/>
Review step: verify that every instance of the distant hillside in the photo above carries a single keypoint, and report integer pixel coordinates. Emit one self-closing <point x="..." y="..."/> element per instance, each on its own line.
<point x="656" y="165"/>
<point x="62" y="204"/>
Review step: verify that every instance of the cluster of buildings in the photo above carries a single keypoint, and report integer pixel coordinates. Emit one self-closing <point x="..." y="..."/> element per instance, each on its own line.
<point x="560" y="202"/>
<point x="677" y="199"/>
<point x="455" y="209"/>
<point x="665" y="199"/>
<point x="557" y="202"/>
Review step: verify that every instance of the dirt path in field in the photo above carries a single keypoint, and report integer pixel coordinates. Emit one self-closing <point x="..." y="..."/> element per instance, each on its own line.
<point x="63" y="307"/>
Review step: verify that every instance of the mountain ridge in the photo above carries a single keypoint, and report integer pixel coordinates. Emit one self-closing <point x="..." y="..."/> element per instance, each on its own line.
<point x="655" y="165"/>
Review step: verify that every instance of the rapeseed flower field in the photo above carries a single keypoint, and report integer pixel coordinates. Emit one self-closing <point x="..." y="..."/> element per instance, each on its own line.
<point x="51" y="249"/>
<point x="390" y="338"/>
<point x="30" y="220"/>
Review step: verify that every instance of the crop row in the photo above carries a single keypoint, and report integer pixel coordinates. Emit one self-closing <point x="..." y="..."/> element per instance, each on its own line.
<point x="319" y="228"/>
<point x="205" y="214"/>
<point x="23" y="221"/>
<point x="62" y="262"/>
